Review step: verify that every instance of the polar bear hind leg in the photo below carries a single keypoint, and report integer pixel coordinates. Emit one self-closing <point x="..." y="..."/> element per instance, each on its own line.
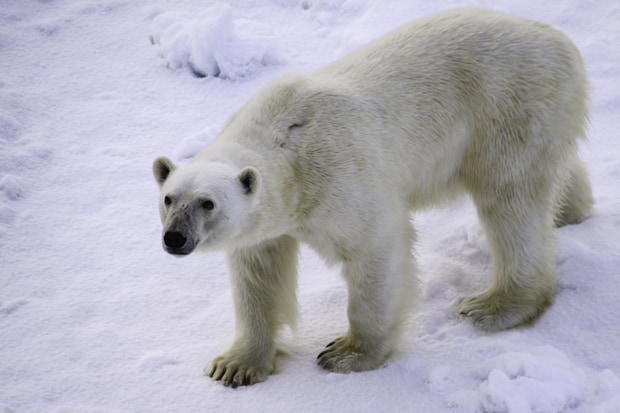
<point x="576" y="197"/>
<point x="520" y="238"/>
<point x="518" y="218"/>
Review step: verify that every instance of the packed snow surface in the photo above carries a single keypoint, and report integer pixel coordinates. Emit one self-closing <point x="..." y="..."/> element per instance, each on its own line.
<point x="95" y="317"/>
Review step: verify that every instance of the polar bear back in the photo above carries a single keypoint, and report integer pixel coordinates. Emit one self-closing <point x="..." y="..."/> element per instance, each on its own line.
<point x="446" y="88"/>
<point x="463" y="100"/>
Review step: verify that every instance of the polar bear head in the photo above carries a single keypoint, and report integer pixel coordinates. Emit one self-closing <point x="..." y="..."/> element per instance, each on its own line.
<point x="203" y="204"/>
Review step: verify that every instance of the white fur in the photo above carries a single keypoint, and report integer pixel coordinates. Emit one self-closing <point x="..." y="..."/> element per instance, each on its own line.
<point x="464" y="100"/>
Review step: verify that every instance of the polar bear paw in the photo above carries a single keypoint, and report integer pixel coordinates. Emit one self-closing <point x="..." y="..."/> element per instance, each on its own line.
<point x="234" y="371"/>
<point x="343" y="356"/>
<point x="492" y="311"/>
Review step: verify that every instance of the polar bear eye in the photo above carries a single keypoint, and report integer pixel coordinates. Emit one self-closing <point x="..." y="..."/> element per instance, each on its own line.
<point x="167" y="200"/>
<point x="208" y="205"/>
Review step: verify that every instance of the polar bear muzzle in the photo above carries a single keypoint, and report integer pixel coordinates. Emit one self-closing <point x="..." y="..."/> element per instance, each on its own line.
<point x="176" y="243"/>
<point x="177" y="236"/>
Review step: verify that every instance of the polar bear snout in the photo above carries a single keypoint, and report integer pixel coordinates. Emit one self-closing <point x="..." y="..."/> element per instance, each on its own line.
<point x="175" y="240"/>
<point x="177" y="243"/>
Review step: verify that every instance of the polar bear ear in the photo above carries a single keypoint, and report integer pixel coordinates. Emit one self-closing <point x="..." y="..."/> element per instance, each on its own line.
<point x="250" y="179"/>
<point x="162" y="167"/>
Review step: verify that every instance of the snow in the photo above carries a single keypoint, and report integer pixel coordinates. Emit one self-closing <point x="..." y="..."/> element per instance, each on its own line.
<point x="95" y="317"/>
<point x="209" y="45"/>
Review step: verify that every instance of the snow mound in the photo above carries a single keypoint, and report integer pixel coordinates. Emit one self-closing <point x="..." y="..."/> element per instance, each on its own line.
<point x="543" y="380"/>
<point x="538" y="381"/>
<point x="11" y="187"/>
<point x="209" y="44"/>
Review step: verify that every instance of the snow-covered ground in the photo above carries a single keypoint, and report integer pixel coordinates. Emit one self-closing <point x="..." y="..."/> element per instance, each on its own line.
<point x="95" y="317"/>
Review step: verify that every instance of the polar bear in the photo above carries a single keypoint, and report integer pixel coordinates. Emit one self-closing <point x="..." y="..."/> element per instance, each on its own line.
<point x="463" y="101"/>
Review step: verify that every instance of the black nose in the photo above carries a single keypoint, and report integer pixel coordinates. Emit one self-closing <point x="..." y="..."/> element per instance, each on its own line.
<point x="174" y="239"/>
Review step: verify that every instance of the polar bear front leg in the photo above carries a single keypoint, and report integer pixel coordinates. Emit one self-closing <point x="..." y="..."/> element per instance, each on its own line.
<point x="380" y="290"/>
<point x="264" y="280"/>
